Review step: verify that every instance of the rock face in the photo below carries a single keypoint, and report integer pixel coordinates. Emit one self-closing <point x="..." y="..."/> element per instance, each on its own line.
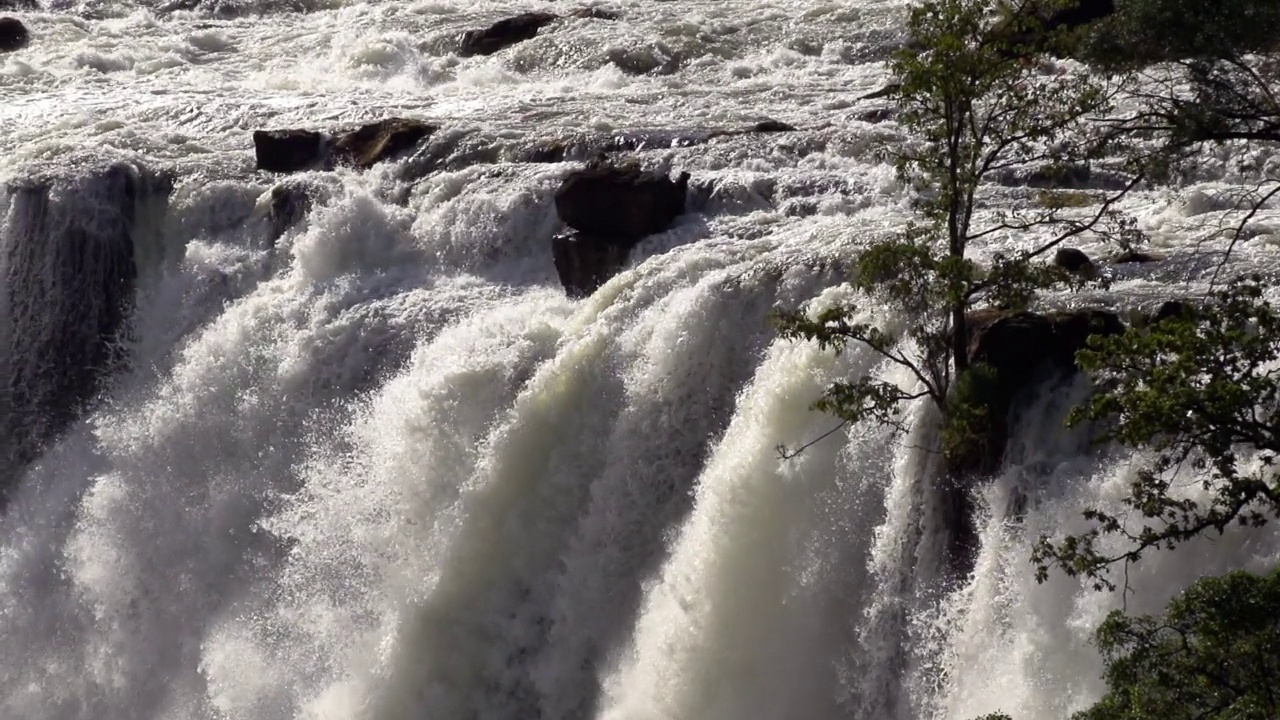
<point x="13" y="35"/>
<point x="71" y="249"/>
<point x="504" y="33"/>
<point x="584" y="262"/>
<point x="371" y="144"/>
<point x="611" y="208"/>
<point x="288" y="150"/>
<point x="1011" y="353"/>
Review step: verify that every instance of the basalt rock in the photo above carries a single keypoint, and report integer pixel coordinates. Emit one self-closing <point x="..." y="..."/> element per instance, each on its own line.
<point x="611" y="208"/>
<point x="1011" y="354"/>
<point x="13" y="34"/>
<point x="585" y="262"/>
<point x="288" y="151"/>
<point x="72" y="250"/>
<point x="620" y="202"/>
<point x="504" y="33"/>
<point x="371" y="144"/>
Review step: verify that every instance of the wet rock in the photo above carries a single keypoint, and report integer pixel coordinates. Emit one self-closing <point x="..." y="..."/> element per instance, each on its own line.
<point x="504" y="33"/>
<point x="288" y="150"/>
<point x="585" y="262"/>
<point x="72" y="252"/>
<point x="13" y="35"/>
<point x="876" y="116"/>
<point x="594" y="14"/>
<point x="1073" y="261"/>
<point x="290" y="203"/>
<point x="373" y="143"/>
<point x="619" y="202"/>
<point x="19" y="6"/>
<point x="1135" y="257"/>
<point x="1011" y="354"/>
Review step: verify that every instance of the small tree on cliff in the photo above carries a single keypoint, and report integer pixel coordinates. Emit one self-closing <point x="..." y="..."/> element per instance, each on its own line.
<point x="974" y="107"/>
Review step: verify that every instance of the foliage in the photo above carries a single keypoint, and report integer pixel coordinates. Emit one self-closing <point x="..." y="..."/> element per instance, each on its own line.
<point x="1202" y="391"/>
<point x="1214" y="655"/>
<point x="973" y="109"/>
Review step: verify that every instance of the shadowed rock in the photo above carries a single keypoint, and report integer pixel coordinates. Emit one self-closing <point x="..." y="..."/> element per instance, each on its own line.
<point x="13" y="35"/>
<point x="288" y="150"/>
<point x="504" y="33"/>
<point x="71" y="249"/>
<point x="1011" y="354"/>
<point x="19" y="6"/>
<point x="611" y="208"/>
<point x="1073" y="261"/>
<point x="371" y="144"/>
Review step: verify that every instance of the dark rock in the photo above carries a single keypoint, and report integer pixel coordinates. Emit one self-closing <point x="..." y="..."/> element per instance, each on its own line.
<point x="1010" y="355"/>
<point x="382" y="140"/>
<point x="586" y="262"/>
<point x="1073" y="261"/>
<point x="288" y="150"/>
<point x="771" y="125"/>
<point x="1135" y="256"/>
<point x="290" y="203"/>
<point x="504" y="33"/>
<point x="1056" y="177"/>
<point x="876" y="116"/>
<point x="13" y="35"/>
<point x="1172" y="309"/>
<point x="1025" y="42"/>
<point x="620" y="203"/>
<point x="19" y="6"/>
<point x="1081" y="13"/>
<point x="71" y="250"/>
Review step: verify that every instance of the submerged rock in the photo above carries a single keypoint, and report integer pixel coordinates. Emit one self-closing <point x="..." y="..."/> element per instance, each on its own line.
<point x="1135" y="257"/>
<point x="288" y="150"/>
<point x="290" y="203"/>
<point x="13" y="34"/>
<point x="371" y="144"/>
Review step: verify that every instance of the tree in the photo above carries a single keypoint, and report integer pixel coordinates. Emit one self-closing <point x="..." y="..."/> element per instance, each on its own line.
<point x="1214" y="655"/>
<point x="1201" y="390"/>
<point x="974" y="108"/>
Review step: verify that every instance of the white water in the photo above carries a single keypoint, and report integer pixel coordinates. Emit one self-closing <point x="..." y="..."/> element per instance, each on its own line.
<point x="387" y="470"/>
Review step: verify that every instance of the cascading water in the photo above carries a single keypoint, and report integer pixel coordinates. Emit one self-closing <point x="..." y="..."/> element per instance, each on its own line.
<point x="377" y="465"/>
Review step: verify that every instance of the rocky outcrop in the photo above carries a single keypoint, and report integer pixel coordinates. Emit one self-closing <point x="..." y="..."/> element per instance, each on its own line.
<point x="371" y="144"/>
<point x="13" y="34"/>
<point x="70" y="248"/>
<point x="611" y="208"/>
<point x="1010" y="355"/>
<point x="510" y="31"/>
<point x="288" y="151"/>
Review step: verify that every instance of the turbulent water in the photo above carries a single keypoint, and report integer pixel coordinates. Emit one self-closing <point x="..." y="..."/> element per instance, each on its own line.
<point x="381" y="467"/>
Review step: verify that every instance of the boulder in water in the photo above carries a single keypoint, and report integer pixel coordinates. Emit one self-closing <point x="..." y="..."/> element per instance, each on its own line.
<point x="504" y="33"/>
<point x="1135" y="257"/>
<point x="371" y="144"/>
<point x="13" y="34"/>
<point x="622" y="203"/>
<point x="585" y="262"/>
<point x="290" y="203"/>
<point x="19" y="6"/>
<point x="288" y="150"/>
<point x="1074" y="261"/>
